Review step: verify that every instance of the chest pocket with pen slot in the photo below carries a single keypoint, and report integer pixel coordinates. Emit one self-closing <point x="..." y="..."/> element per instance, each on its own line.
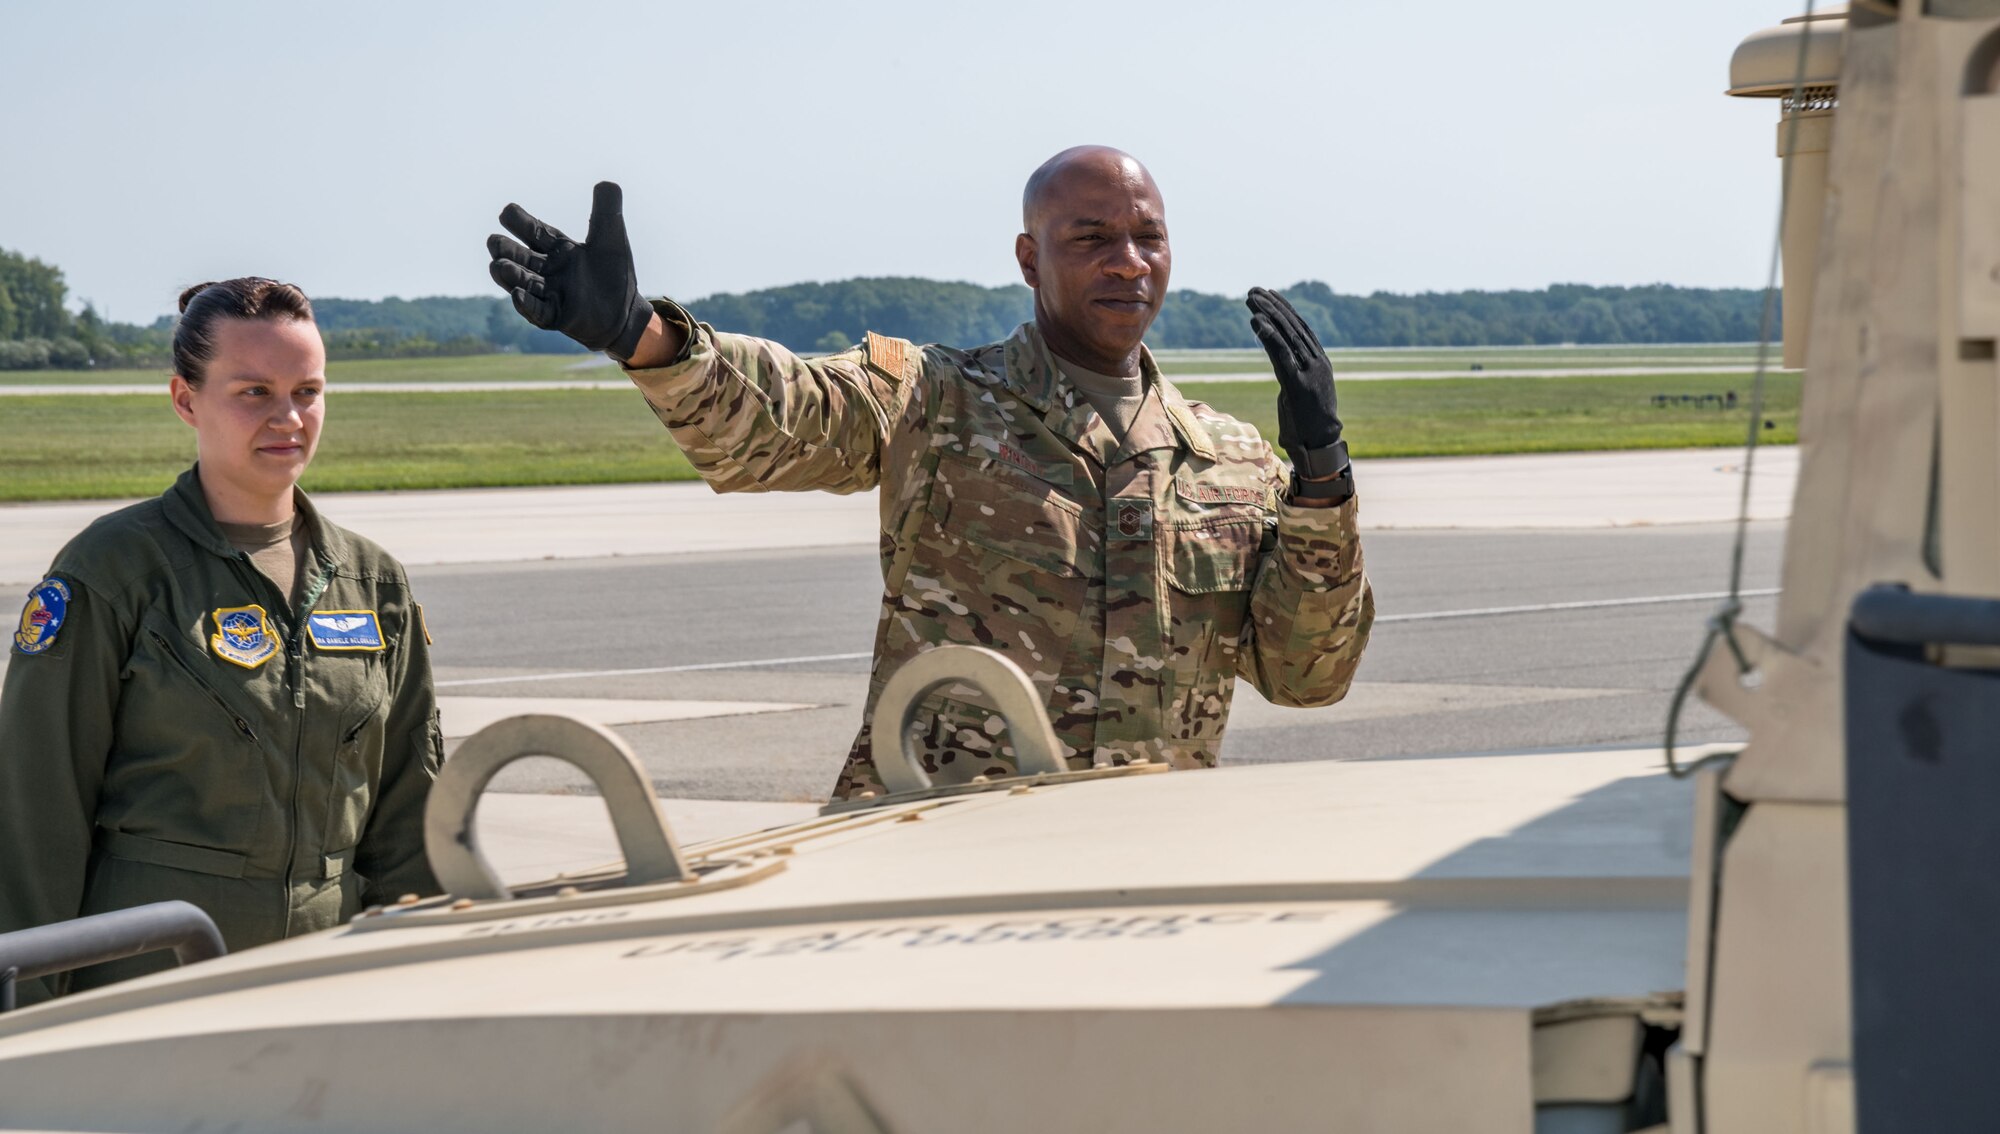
<point x="1211" y="563"/>
<point x="1011" y="513"/>
<point x="1004" y="562"/>
<point x="193" y="744"/>
<point x="355" y="685"/>
<point x="165" y="642"/>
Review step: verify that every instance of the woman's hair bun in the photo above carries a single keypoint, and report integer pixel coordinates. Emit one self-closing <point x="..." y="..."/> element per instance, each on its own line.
<point x="250" y="297"/>
<point x="187" y="296"/>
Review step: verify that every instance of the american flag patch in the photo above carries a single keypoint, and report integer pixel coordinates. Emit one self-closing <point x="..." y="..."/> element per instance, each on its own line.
<point x="886" y="354"/>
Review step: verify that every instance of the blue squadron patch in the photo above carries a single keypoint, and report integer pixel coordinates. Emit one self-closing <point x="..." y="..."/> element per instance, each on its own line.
<point x="345" y="629"/>
<point x="243" y="635"/>
<point x="47" y="604"/>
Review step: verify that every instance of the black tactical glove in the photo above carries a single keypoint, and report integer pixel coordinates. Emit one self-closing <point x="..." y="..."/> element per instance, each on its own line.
<point x="587" y="291"/>
<point x="1308" y="416"/>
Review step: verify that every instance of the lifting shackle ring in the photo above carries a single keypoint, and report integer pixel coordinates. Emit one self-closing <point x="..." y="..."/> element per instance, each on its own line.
<point x="993" y="674"/>
<point x="451" y="839"/>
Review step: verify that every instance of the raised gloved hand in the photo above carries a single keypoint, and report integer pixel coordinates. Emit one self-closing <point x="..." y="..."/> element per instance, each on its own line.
<point x="588" y="291"/>
<point x="1308" y="414"/>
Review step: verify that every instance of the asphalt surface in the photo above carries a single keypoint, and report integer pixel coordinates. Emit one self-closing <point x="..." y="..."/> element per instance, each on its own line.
<point x="1539" y="491"/>
<point x="1435" y="680"/>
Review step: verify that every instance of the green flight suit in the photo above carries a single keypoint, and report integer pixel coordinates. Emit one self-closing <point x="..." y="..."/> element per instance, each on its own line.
<point x="180" y="733"/>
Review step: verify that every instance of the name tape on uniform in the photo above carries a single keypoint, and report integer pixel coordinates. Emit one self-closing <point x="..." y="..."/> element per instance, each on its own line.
<point x="1199" y="493"/>
<point x="345" y="629"/>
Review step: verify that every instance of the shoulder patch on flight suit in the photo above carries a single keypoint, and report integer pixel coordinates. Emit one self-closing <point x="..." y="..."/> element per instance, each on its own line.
<point x="887" y="355"/>
<point x="243" y="635"/>
<point x="48" y="602"/>
<point x="424" y="624"/>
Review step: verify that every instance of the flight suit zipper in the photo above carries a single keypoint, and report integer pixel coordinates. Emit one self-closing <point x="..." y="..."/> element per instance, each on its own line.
<point x="295" y="676"/>
<point x="167" y="648"/>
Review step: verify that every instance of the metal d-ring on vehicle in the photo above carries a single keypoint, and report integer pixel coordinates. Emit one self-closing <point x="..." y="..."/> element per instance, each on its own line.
<point x="452" y="841"/>
<point x="1035" y="747"/>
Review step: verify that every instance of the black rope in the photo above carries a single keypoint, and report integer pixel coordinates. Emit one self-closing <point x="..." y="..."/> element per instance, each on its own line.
<point x="1722" y="623"/>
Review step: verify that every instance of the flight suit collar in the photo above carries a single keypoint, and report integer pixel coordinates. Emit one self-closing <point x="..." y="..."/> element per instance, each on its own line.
<point x="187" y="509"/>
<point x="1034" y="377"/>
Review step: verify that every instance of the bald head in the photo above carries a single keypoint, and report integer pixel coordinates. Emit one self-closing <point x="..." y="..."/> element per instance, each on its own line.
<point x="1081" y="165"/>
<point x="1094" y="247"/>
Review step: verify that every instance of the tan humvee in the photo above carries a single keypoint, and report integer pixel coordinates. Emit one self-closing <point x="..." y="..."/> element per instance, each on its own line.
<point x="1544" y="942"/>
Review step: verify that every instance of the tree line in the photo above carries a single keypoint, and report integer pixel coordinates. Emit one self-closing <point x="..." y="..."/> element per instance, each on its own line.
<point x="38" y="331"/>
<point x="830" y="316"/>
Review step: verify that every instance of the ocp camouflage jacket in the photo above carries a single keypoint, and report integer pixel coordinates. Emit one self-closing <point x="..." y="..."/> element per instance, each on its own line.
<point x="1132" y="581"/>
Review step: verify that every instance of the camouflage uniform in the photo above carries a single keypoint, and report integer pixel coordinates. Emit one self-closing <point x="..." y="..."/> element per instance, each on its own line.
<point x="1132" y="582"/>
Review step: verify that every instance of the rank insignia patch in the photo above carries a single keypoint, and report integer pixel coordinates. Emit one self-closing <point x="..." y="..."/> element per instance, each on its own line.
<point x="43" y="616"/>
<point x="345" y="629"/>
<point x="243" y="635"/>
<point x="1132" y="518"/>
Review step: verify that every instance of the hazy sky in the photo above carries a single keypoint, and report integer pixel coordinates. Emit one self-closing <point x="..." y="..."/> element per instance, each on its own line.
<point x="362" y="149"/>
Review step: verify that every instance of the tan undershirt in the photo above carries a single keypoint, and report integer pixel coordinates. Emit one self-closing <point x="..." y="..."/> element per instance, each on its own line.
<point x="1116" y="400"/>
<point x="278" y="550"/>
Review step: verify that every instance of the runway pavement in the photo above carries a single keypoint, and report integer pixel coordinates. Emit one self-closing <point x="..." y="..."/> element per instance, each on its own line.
<point x="486" y="525"/>
<point x="1523" y="602"/>
<point x="1486" y="641"/>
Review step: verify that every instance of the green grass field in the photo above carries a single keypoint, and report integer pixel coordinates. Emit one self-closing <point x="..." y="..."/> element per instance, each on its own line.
<point x="564" y="367"/>
<point x="83" y="447"/>
<point x="1427" y="417"/>
<point x="1179" y="363"/>
<point x="471" y="368"/>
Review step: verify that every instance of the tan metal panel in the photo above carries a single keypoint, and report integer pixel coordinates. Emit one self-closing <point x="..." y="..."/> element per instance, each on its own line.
<point x="1358" y="945"/>
<point x="1766" y="64"/>
<point x="1704" y="868"/>
<point x="1979" y="217"/>
<point x="1869" y="411"/>
<point x="1780" y="1002"/>
<point x="1363" y="1069"/>
<point x="1590" y="1060"/>
<point x="1804" y="139"/>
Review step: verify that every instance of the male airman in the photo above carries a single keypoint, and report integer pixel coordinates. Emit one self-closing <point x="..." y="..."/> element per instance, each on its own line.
<point x="1051" y="497"/>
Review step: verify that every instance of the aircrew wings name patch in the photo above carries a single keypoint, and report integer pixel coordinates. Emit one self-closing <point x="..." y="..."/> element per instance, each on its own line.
<point x="43" y="616"/>
<point x="345" y="629"/>
<point x="244" y="636"/>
